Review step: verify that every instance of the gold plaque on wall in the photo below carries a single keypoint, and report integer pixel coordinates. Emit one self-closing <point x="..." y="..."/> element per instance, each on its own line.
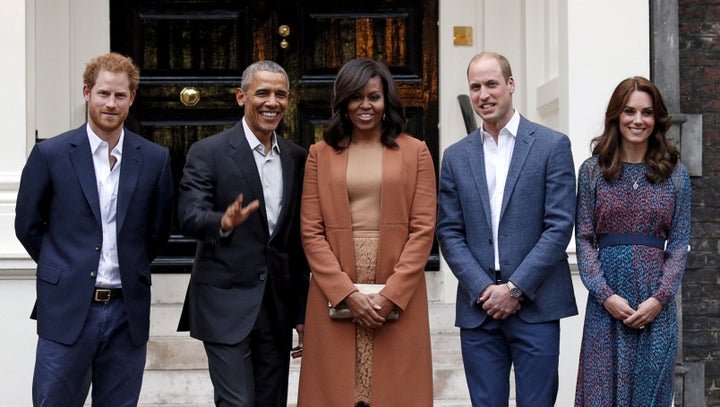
<point x="462" y="35"/>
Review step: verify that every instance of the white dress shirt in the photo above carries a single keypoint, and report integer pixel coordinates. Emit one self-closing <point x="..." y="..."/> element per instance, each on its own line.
<point x="270" y="170"/>
<point x="497" y="163"/>
<point x="108" y="272"/>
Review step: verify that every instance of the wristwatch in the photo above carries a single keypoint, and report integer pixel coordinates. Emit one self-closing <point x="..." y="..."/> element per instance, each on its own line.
<point x="515" y="292"/>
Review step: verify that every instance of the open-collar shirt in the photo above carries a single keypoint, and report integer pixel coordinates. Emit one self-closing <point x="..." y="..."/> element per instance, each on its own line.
<point x="497" y="162"/>
<point x="107" y="180"/>
<point x="270" y="170"/>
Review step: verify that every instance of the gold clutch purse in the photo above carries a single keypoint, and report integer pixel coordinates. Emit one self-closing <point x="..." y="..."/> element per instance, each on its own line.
<point x="342" y="311"/>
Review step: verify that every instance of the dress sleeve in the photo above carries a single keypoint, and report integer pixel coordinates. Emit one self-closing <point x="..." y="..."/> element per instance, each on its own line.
<point x="678" y="237"/>
<point x="589" y="265"/>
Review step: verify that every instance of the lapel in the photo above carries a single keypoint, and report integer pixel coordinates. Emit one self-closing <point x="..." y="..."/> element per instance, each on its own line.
<point x="338" y="185"/>
<point x="82" y="162"/>
<point x="476" y="161"/>
<point x="242" y="155"/>
<point x="288" y="169"/>
<point x="130" y="169"/>
<point x="523" y="143"/>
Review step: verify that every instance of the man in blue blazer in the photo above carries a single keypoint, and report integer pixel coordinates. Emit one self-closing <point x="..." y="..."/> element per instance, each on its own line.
<point x="240" y="197"/>
<point x="506" y="209"/>
<point x="93" y="210"/>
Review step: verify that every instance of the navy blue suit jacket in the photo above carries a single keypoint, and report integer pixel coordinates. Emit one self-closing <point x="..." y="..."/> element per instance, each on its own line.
<point x="536" y="223"/>
<point x="230" y="274"/>
<point x="57" y="219"/>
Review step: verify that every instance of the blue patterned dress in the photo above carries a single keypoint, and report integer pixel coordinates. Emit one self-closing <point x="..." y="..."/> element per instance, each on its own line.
<point x="619" y="365"/>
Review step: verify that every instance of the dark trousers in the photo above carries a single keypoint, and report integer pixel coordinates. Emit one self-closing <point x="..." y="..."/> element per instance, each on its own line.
<point x="254" y="372"/>
<point x="104" y="350"/>
<point x="492" y="348"/>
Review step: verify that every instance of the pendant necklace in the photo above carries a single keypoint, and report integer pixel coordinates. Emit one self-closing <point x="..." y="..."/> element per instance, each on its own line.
<point x="636" y="185"/>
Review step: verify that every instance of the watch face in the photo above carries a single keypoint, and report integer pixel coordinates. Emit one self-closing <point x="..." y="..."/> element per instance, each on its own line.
<point x="514" y="290"/>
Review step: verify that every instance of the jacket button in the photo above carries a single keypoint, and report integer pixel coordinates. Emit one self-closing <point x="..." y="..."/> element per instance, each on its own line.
<point x="489" y="241"/>
<point x="93" y="274"/>
<point x="262" y="277"/>
<point x="98" y="247"/>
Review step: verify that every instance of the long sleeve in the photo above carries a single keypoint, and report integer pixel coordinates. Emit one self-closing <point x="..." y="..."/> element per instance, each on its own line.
<point x="678" y="237"/>
<point x="33" y="203"/>
<point x="585" y="239"/>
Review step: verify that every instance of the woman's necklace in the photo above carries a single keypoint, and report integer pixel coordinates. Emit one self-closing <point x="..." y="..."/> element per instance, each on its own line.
<point x="636" y="182"/>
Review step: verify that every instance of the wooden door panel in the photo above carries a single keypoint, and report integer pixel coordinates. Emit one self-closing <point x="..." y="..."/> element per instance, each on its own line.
<point x="186" y="43"/>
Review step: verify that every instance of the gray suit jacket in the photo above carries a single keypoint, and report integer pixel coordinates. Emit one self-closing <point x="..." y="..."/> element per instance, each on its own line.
<point x="536" y="223"/>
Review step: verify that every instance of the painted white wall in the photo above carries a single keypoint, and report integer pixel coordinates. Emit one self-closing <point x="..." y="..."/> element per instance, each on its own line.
<point x="12" y="117"/>
<point x="17" y="343"/>
<point x="69" y="33"/>
<point x="603" y="45"/>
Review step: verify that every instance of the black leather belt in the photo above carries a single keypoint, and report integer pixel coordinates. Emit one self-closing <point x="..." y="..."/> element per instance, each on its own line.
<point x="107" y="294"/>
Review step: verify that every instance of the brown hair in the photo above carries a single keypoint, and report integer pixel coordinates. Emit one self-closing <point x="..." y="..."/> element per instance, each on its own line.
<point x="351" y="78"/>
<point x="504" y="63"/>
<point x="661" y="155"/>
<point x="112" y="62"/>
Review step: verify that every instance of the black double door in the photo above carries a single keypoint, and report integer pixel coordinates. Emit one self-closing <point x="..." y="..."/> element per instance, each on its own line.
<point x="191" y="54"/>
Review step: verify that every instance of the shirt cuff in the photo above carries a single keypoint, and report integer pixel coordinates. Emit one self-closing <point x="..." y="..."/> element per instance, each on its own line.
<point x="225" y="233"/>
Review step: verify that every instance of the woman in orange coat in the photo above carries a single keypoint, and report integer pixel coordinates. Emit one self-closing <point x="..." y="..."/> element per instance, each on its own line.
<point x="368" y="216"/>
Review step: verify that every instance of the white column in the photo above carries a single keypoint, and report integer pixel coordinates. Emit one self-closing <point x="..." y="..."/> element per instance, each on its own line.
<point x="13" y="112"/>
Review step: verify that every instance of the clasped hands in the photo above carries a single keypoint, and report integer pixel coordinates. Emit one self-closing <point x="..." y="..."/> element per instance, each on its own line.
<point x="236" y="214"/>
<point x="621" y="310"/>
<point x="497" y="301"/>
<point x="369" y="310"/>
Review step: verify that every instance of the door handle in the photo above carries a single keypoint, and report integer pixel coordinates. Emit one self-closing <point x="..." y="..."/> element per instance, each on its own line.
<point x="189" y="96"/>
<point x="284" y="31"/>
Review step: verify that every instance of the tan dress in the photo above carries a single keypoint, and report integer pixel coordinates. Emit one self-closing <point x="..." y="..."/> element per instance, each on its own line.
<point x="364" y="181"/>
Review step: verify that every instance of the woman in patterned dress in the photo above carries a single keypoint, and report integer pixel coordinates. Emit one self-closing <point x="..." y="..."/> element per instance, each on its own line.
<point x="632" y="233"/>
<point x="367" y="216"/>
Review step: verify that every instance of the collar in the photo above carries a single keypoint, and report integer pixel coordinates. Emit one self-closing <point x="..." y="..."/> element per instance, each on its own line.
<point x="95" y="141"/>
<point x="255" y="144"/>
<point x="510" y="128"/>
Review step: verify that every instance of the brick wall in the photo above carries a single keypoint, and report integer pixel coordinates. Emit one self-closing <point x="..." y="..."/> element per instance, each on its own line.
<point x="699" y="27"/>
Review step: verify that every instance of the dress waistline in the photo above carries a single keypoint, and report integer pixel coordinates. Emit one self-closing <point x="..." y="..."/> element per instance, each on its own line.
<point x="625" y="239"/>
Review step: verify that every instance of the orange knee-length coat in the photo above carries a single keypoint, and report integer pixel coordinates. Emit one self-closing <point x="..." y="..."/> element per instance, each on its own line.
<point x="402" y="362"/>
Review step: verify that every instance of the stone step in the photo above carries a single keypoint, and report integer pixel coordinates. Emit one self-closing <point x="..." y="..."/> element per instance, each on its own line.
<point x="185" y="353"/>
<point x="171" y="288"/>
<point x="193" y="386"/>
<point x="176" y="372"/>
<point x="164" y="318"/>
